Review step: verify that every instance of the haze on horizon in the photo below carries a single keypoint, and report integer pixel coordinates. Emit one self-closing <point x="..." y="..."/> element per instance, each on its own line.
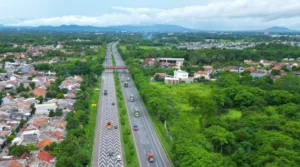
<point x="198" y="14"/>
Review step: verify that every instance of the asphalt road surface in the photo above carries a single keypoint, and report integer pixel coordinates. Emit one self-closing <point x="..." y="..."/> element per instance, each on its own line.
<point x="146" y="140"/>
<point x="107" y="142"/>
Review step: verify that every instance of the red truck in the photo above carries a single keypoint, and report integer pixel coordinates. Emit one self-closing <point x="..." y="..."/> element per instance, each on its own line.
<point x="150" y="157"/>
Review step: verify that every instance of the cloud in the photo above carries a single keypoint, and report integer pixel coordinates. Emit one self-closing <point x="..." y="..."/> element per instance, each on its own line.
<point x="235" y="13"/>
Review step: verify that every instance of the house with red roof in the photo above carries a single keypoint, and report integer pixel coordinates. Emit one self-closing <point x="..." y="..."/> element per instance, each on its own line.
<point x="39" y="92"/>
<point x="200" y="74"/>
<point x="45" y="156"/>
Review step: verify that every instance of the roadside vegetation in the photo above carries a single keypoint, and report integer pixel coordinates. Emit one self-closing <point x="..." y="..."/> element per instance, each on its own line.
<point x="235" y="121"/>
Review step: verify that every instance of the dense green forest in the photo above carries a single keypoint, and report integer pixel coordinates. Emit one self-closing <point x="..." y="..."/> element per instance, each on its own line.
<point x="235" y="121"/>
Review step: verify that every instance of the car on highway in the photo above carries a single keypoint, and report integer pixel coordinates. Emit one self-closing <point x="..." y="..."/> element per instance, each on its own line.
<point x="136" y="112"/>
<point x="119" y="158"/>
<point x="105" y="92"/>
<point x="131" y="98"/>
<point x="135" y="127"/>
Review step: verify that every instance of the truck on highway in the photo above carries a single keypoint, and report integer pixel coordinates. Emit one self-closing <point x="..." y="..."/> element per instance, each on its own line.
<point x="136" y="112"/>
<point x="131" y="97"/>
<point x="150" y="157"/>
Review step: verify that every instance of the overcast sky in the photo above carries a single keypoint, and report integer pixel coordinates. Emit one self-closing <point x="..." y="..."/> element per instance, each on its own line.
<point x="199" y="14"/>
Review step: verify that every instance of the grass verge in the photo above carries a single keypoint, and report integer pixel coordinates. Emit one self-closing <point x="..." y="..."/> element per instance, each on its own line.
<point x="127" y="138"/>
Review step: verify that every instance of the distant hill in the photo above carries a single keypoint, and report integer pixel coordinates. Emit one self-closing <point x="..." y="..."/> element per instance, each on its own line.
<point x="279" y="29"/>
<point x="128" y="28"/>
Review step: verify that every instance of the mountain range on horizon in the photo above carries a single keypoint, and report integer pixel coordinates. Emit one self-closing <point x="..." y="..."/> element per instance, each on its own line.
<point x="136" y="28"/>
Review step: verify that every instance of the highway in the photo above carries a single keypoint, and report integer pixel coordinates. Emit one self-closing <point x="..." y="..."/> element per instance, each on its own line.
<point x="107" y="143"/>
<point x="146" y="140"/>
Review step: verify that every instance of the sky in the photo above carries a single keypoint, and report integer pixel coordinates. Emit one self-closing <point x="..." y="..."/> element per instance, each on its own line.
<point x="197" y="14"/>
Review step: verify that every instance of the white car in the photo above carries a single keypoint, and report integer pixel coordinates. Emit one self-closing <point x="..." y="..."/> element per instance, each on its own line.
<point x="119" y="158"/>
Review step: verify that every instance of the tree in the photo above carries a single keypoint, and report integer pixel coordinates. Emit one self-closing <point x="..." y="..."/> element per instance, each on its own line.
<point x="33" y="109"/>
<point x="244" y="98"/>
<point x="21" y="88"/>
<point x="219" y="136"/>
<point x="40" y="99"/>
<point x="278" y="97"/>
<point x="60" y="96"/>
<point x="17" y="150"/>
<point x="59" y="112"/>
<point x="51" y="113"/>
<point x="10" y="138"/>
<point x="276" y="72"/>
<point x="64" y="90"/>
<point x="32" y="85"/>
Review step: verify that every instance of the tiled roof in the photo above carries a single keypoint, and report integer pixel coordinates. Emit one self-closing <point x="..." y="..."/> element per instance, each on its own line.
<point x="45" y="156"/>
<point x="43" y="143"/>
<point x="14" y="164"/>
<point x="9" y="97"/>
<point x="202" y="73"/>
<point x="41" y="121"/>
<point x="39" y="92"/>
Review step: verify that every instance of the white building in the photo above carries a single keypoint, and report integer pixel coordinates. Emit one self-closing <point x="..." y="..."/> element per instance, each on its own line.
<point x="181" y="75"/>
<point x="45" y="108"/>
<point x="169" y="79"/>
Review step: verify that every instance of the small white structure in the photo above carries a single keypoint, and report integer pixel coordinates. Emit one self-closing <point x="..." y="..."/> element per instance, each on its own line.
<point x="169" y="79"/>
<point x="181" y="75"/>
<point x="45" y="108"/>
<point x="16" y="141"/>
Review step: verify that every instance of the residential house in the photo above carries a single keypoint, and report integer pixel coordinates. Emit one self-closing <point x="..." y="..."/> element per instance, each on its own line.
<point x="208" y="68"/>
<point x="7" y="100"/>
<point x="39" y="123"/>
<point x="30" y="136"/>
<point x="160" y="75"/>
<point x="251" y="69"/>
<point x="171" y="61"/>
<point x="54" y="60"/>
<point x="200" y="74"/>
<point x="13" y="163"/>
<point x="45" y="156"/>
<point x="43" y="143"/>
<point x="71" y="83"/>
<point x="181" y="75"/>
<point x="258" y="74"/>
<point x="266" y="63"/>
<point x="65" y="103"/>
<point x="169" y="79"/>
<point x="149" y="61"/>
<point x="39" y="92"/>
<point x="234" y="69"/>
<point x="248" y="61"/>
<point x="39" y="81"/>
<point x="45" y="108"/>
<point x="25" y="68"/>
